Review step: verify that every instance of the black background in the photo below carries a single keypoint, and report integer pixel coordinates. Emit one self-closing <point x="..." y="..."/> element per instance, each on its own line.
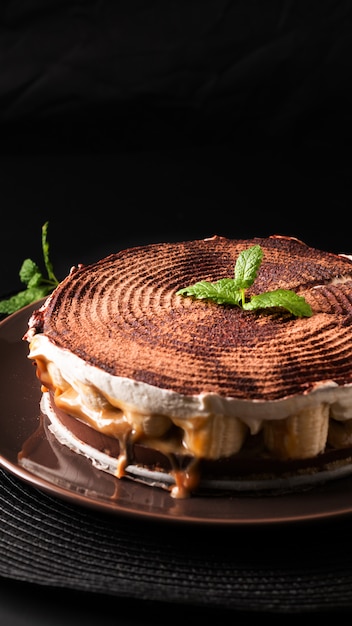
<point x="133" y="121"/>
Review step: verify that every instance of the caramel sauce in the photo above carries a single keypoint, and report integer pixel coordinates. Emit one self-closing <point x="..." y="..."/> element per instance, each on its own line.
<point x="186" y="444"/>
<point x="127" y="427"/>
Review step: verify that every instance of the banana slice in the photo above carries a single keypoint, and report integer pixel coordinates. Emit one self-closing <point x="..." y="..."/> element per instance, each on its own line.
<point x="148" y="425"/>
<point x="213" y="437"/>
<point x="299" y="436"/>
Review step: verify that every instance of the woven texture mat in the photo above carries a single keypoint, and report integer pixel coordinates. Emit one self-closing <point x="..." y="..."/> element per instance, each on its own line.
<point x="51" y="542"/>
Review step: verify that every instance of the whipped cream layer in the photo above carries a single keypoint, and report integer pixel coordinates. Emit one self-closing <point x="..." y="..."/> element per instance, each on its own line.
<point x="143" y="398"/>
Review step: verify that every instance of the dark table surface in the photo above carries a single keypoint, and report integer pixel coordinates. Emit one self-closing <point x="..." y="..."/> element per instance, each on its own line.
<point x="239" y="125"/>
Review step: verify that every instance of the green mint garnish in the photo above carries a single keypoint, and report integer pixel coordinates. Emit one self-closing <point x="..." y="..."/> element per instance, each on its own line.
<point x="232" y="291"/>
<point x="37" y="285"/>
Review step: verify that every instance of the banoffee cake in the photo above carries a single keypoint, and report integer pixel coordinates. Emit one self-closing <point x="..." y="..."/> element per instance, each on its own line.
<point x="201" y="392"/>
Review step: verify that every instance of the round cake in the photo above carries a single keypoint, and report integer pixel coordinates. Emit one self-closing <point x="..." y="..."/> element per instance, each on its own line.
<point x="242" y="382"/>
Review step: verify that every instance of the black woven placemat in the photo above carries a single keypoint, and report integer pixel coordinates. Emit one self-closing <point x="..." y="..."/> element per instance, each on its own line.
<point x="292" y="568"/>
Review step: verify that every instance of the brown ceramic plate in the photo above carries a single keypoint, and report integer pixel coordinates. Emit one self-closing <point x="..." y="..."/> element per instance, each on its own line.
<point x="55" y="469"/>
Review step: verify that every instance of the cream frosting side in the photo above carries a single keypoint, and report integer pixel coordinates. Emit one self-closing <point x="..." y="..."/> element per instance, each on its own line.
<point x="149" y="400"/>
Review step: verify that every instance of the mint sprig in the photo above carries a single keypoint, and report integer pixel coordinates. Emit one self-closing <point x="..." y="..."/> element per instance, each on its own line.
<point x="37" y="285"/>
<point x="233" y="291"/>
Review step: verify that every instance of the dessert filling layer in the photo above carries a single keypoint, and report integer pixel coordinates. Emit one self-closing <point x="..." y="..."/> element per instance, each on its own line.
<point x="246" y="472"/>
<point x="201" y="427"/>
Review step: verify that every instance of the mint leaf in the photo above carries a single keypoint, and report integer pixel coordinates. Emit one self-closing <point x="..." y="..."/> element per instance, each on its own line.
<point x="284" y="298"/>
<point x="233" y="291"/>
<point x="38" y="286"/>
<point x="28" y="270"/>
<point x="247" y="266"/>
<point x="22" y="298"/>
<point x="224" y="291"/>
<point x="35" y="281"/>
